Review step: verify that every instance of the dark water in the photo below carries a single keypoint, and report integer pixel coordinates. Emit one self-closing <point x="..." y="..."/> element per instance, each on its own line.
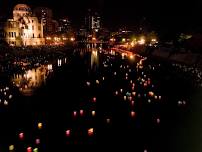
<point x="66" y="91"/>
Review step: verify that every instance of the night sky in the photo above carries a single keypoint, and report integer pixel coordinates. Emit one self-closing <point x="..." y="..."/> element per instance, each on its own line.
<point x="167" y="15"/>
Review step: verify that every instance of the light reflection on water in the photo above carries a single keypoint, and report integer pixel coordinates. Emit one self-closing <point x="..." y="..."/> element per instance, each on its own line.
<point x="31" y="79"/>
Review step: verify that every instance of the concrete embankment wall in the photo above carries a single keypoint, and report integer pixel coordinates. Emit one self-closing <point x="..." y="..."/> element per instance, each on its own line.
<point x="187" y="58"/>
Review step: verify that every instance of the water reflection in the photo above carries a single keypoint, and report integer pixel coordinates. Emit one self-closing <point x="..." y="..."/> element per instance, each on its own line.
<point x="94" y="59"/>
<point x="32" y="79"/>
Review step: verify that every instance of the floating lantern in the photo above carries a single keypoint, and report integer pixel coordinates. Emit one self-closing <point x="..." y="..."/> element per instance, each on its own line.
<point x="124" y="97"/>
<point x="37" y="141"/>
<point x="179" y="102"/>
<point x="81" y="112"/>
<point x="94" y="99"/>
<point x="129" y="70"/>
<point x="103" y="78"/>
<point x="145" y="150"/>
<point x="10" y="96"/>
<point x="93" y="113"/>
<point x="97" y="82"/>
<point x="126" y="78"/>
<point x="151" y="93"/>
<point x="90" y="131"/>
<point x="68" y="132"/>
<point x="5" y="93"/>
<point x="21" y="136"/>
<point x="35" y="150"/>
<point x="114" y="73"/>
<point x="149" y="100"/>
<point x="88" y="83"/>
<point x="40" y="125"/>
<point x="159" y="97"/>
<point x="132" y="102"/>
<point x="131" y="81"/>
<point x="74" y="113"/>
<point x="130" y="98"/>
<point x="5" y="102"/>
<point x="132" y="113"/>
<point x="133" y="93"/>
<point x="184" y="102"/>
<point x="133" y="88"/>
<point x="29" y="149"/>
<point x="158" y="120"/>
<point x="139" y="95"/>
<point x="145" y="84"/>
<point x="11" y="147"/>
<point x="108" y="120"/>
<point x="126" y="74"/>
<point x="116" y="93"/>
<point x="155" y="97"/>
<point x="121" y="90"/>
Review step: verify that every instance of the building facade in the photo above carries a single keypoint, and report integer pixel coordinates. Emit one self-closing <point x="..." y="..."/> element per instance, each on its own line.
<point x="24" y="29"/>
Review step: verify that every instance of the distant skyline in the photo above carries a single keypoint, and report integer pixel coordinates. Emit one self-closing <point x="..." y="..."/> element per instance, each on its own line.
<point x="168" y="15"/>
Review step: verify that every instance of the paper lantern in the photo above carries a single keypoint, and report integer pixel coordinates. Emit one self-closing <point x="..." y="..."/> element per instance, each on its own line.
<point x="124" y="97"/>
<point x="132" y="114"/>
<point x="21" y="136"/>
<point x="68" y="132"/>
<point x="40" y="125"/>
<point x="11" y="147"/>
<point x="93" y="113"/>
<point x="90" y="132"/>
<point x="94" y="99"/>
<point x="108" y="120"/>
<point x="37" y="141"/>
<point x="81" y="112"/>
<point x="35" y="150"/>
<point x="97" y="81"/>
<point x="132" y="102"/>
<point x="116" y="93"/>
<point x="74" y="113"/>
<point x="158" y="120"/>
<point x="29" y="149"/>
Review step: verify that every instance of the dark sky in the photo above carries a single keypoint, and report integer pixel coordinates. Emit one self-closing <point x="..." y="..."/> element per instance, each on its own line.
<point x="166" y="14"/>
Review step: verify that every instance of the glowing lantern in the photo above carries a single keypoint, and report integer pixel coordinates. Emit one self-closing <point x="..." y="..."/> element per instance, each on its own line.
<point x="124" y="97"/>
<point x="68" y="132"/>
<point x="130" y="98"/>
<point x="145" y="84"/>
<point x="21" y="136"/>
<point x="121" y="90"/>
<point x="108" y="120"/>
<point x="158" y="120"/>
<point x="184" y="102"/>
<point x="93" y="113"/>
<point x="40" y="125"/>
<point x="149" y="100"/>
<point x="37" y="141"/>
<point x="90" y="131"/>
<point x="88" y="83"/>
<point x="159" y="97"/>
<point x="97" y="81"/>
<point x="126" y="74"/>
<point x="151" y="93"/>
<point x="155" y="97"/>
<point x="131" y="81"/>
<point x="29" y="149"/>
<point x="132" y="102"/>
<point x="145" y="150"/>
<point x="5" y="93"/>
<point x="132" y="113"/>
<point x="5" y="102"/>
<point x="81" y="112"/>
<point x="11" y="147"/>
<point x="114" y="73"/>
<point x="103" y="78"/>
<point x="116" y="93"/>
<point x="179" y="102"/>
<point x="10" y="96"/>
<point x="35" y="150"/>
<point x="139" y="95"/>
<point x="94" y="99"/>
<point x="133" y="93"/>
<point x="133" y="88"/>
<point x="126" y="78"/>
<point x="74" y="113"/>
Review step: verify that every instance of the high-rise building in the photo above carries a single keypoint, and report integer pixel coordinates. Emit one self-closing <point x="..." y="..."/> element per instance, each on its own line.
<point x="92" y="21"/>
<point x="23" y="29"/>
<point x="64" y="25"/>
<point x="45" y="15"/>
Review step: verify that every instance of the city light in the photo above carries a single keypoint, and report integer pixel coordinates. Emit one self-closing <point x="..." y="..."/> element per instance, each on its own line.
<point x="72" y="39"/>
